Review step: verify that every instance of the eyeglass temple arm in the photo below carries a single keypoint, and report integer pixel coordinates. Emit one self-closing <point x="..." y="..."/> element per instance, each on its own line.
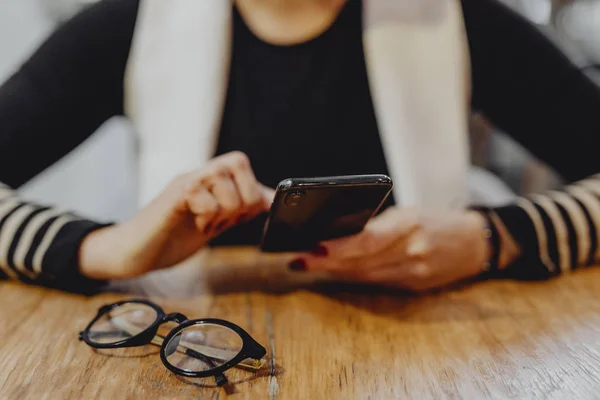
<point x="208" y="351"/>
<point x="220" y="379"/>
<point x="108" y="334"/>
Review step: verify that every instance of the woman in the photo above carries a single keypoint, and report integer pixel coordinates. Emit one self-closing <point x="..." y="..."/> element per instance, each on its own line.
<point x="229" y="101"/>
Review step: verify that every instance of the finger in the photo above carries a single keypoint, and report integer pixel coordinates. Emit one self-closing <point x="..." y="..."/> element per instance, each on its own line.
<point x="358" y="264"/>
<point x="246" y="183"/>
<point x="255" y="197"/>
<point x="380" y="233"/>
<point x="266" y="196"/>
<point x="203" y="205"/>
<point x="410" y="248"/>
<point x="225" y="192"/>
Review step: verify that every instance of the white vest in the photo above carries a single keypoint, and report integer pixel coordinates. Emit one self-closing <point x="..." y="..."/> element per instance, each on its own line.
<point x="418" y="69"/>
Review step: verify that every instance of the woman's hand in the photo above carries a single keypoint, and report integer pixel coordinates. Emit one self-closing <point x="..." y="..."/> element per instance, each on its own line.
<point x="407" y="248"/>
<point x="193" y="209"/>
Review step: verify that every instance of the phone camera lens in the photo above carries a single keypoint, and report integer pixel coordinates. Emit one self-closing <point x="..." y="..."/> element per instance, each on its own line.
<point x="294" y="199"/>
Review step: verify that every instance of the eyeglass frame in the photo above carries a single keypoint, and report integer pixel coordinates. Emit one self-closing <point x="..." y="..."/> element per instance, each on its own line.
<point x="250" y="347"/>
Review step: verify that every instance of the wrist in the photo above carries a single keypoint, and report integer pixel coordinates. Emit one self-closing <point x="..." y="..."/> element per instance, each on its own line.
<point x="509" y="248"/>
<point x="501" y="248"/>
<point x="102" y="254"/>
<point x="483" y="249"/>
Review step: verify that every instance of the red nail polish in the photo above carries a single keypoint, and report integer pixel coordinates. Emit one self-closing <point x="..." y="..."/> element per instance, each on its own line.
<point x="208" y="228"/>
<point x="320" y="251"/>
<point x="220" y="226"/>
<point x="298" y="265"/>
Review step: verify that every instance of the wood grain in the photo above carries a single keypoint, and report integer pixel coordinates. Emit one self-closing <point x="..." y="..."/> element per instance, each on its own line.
<point x="491" y="340"/>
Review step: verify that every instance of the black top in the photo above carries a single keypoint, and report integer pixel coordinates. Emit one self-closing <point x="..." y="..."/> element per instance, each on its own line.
<point x="302" y="110"/>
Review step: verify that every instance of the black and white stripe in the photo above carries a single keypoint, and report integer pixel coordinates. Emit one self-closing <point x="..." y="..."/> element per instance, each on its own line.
<point x="9" y="236"/>
<point x="591" y="225"/>
<point x="573" y="214"/>
<point x="15" y="219"/>
<point x="540" y="232"/>
<point x="48" y="238"/>
<point x="558" y="231"/>
<point x="565" y="226"/>
<point x="7" y="208"/>
<point x="25" y="243"/>
<point x="39" y="244"/>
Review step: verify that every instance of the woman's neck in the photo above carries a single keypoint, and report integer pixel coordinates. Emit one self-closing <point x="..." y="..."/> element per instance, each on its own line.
<point x="289" y="22"/>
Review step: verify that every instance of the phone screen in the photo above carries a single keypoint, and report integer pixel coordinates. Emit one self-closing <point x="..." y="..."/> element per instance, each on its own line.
<point x="301" y="218"/>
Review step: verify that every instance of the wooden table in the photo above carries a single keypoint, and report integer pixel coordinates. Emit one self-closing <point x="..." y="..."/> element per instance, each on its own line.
<point x="490" y="340"/>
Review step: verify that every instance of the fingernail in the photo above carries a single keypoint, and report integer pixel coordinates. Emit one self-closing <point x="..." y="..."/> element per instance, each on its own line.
<point x="298" y="265"/>
<point x="220" y="226"/>
<point x="208" y="228"/>
<point x="320" y="251"/>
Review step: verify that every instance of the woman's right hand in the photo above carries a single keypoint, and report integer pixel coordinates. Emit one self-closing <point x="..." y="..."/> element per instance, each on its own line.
<point x="194" y="208"/>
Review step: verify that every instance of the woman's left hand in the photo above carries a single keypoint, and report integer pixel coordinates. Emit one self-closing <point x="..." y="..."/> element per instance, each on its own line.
<point x="407" y="248"/>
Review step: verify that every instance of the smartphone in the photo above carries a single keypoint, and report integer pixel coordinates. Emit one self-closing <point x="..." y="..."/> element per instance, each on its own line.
<point x="307" y="211"/>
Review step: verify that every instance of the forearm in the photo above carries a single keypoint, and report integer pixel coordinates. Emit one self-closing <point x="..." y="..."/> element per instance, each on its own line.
<point x="104" y="254"/>
<point x="551" y="233"/>
<point x="39" y="245"/>
<point x="528" y="88"/>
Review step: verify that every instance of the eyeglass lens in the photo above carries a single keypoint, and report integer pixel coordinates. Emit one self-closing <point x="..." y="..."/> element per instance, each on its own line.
<point x="203" y="347"/>
<point x="122" y="322"/>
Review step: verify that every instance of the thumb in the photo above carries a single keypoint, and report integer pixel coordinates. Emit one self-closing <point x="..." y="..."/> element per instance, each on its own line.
<point x="382" y="231"/>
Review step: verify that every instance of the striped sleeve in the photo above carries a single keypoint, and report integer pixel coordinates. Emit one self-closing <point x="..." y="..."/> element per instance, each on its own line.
<point x="39" y="245"/>
<point x="558" y="231"/>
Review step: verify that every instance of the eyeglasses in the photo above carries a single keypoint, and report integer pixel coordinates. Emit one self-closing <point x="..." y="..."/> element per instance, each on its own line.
<point x="195" y="348"/>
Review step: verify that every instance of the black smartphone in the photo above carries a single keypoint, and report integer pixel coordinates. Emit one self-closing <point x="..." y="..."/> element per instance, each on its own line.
<point x="307" y="211"/>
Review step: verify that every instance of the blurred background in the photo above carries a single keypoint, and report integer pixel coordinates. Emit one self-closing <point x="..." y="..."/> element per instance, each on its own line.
<point x="87" y="182"/>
